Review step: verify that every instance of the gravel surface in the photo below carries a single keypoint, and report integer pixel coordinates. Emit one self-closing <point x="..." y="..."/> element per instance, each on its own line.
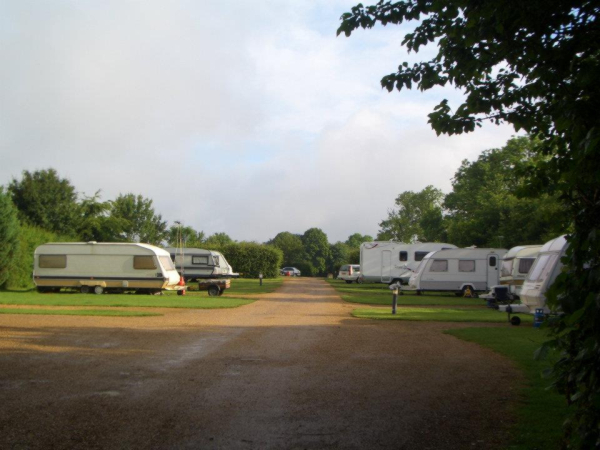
<point x="292" y="370"/>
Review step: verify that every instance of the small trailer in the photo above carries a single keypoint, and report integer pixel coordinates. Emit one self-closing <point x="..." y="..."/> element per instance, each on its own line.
<point x="103" y="267"/>
<point x="215" y="287"/>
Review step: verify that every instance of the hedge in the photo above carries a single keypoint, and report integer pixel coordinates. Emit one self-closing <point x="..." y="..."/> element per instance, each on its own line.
<point x="249" y="259"/>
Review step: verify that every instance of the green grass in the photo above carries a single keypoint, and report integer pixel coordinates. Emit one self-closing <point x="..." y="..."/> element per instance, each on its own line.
<point x="199" y="300"/>
<point x="77" y="312"/>
<point x="245" y="286"/>
<point x="438" y="315"/>
<point x="380" y="294"/>
<point x="540" y="412"/>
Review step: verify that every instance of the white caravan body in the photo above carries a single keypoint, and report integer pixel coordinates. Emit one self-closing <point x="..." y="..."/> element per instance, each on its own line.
<point x="389" y="261"/>
<point x="516" y="265"/>
<point x="544" y="271"/>
<point x="103" y="266"/>
<point x="198" y="263"/>
<point x="457" y="269"/>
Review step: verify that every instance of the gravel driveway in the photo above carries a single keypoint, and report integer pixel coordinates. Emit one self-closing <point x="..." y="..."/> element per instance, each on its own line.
<point x="292" y="370"/>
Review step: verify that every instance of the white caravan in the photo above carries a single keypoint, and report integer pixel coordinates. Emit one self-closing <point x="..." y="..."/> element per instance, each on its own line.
<point x="391" y="262"/>
<point x="545" y="269"/>
<point x="196" y="263"/>
<point x="457" y="270"/>
<point x="99" y="267"/>
<point x="515" y="267"/>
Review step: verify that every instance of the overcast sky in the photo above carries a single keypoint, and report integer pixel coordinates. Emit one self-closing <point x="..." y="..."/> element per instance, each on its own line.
<point x="248" y="118"/>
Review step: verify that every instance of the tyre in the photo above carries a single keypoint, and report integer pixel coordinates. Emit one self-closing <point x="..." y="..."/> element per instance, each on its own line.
<point x="349" y="281"/>
<point x="213" y="290"/>
<point x="359" y="280"/>
<point x="515" y="321"/>
<point x="85" y="289"/>
<point x="98" y="290"/>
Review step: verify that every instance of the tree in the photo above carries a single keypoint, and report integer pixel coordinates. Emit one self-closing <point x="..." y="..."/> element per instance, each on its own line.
<point x="291" y="246"/>
<point x="9" y="236"/>
<point x="141" y="223"/>
<point x="404" y="223"/>
<point x="316" y="248"/>
<point x="191" y="237"/>
<point x="485" y="208"/>
<point x="356" y="239"/>
<point x="96" y="223"/>
<point x="47" y="201"/>
<point x="218" y="240"/>
<point x="534" y="65"/>
<point x="339" y="255"/>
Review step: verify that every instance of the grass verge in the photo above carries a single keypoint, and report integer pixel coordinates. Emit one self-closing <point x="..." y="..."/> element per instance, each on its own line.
<point x="540" y="412"/>
<point x="77" y="312"/>
<point x="194" y="300"/>
<point x="438" y="315"/>
<point x="380" y="294"/>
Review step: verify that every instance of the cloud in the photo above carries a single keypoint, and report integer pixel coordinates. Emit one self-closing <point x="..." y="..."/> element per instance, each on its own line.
<point x="245" y="118"/>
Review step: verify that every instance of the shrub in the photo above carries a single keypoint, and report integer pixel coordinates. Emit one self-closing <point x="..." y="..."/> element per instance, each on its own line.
<point x="250" y="259"/>
<point x="9" y="236"/>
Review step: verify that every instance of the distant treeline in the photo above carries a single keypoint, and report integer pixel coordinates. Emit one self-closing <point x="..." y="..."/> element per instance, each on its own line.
<point x="494" y="203"/>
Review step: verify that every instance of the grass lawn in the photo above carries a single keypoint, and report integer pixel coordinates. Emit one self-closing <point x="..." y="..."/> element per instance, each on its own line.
<point x="540" y="412"/>
<point x="199" y="300"/>
<point x="438" y="315"/>
<point x="77" y="312"/>
<point x="169" y="299"/>
<point x="380" y="294"/>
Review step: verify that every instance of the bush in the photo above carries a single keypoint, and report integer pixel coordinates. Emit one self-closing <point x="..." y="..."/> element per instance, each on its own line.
<point x="250" y="259"/>
<point x="30" y="237"/>
<point x="9" y="237"/>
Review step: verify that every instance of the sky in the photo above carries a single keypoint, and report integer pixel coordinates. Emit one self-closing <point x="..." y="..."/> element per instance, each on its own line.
<point x="248" y="118"/>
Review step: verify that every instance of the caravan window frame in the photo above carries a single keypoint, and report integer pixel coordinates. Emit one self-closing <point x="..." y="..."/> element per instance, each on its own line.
<point x="525" y="260"/>
<point x="433" y="267"/>
<point x="195" y="259"/>
<point x="420" y="255"/>
<point x="166" y="262"/>
<point x="52" y="261"/>
<point x="460" y="261"/>
<point x="140" y="262"/>
<point x="403" y="255"/>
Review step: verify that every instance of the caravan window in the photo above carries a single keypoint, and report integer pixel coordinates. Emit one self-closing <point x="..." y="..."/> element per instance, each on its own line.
<point x="492" y="261"/>
<point x="144" y="263"/>
<point x="420" y="255"/>
<point x="439" y="265"/>
<point x="53" y="261"/>
<point x="525" y="265"/>
<point x="466" y="266"/>
<point x="166" y="263"/>
<point x="506" y="268"/>
<point x="200" y="260"/>
<point x="403" y="256"/>
<point x="216" y="260"/>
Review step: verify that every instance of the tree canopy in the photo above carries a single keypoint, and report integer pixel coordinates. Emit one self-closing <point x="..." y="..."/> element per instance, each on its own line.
<point x="9" y="236"/>
<point x="316" y="247"/>
<point x="140" y="222"/>
<point x="534" y="65"/>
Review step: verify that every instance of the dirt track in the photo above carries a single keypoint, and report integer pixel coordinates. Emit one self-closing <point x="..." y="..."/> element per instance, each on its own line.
<point x="292" y="370"/>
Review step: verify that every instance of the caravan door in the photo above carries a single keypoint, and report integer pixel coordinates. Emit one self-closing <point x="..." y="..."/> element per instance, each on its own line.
<point x="493" y="276"/>
<point x="386" y="266"/>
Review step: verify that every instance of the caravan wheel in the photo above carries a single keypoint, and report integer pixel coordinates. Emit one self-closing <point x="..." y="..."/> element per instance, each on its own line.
<point x="213" y="290"/>
<point x="98" y="290"/>
<point x="85" y="289"/>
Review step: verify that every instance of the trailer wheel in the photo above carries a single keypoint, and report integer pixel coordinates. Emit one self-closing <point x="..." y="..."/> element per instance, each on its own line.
<point x="349" y="281"/>
<point x="359" y="280"/>
<point x="98" y="290"/>
<point x="213" y="290"/>
<point x="85" y="289"/>
<point x="221" y="292"/>
<point x="515" y="321"/>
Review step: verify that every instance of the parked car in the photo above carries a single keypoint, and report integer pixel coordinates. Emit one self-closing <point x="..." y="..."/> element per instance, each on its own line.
<point x="350" y="273"/>
<point x="290" y="272"/>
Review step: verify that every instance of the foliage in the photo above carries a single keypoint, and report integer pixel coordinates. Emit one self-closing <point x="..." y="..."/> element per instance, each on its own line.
<point x="436" y="315"/>
<point x="339" y="254"/>
<point x="316" y="248"/>
<point x="45" y="200"/>
<point x="534" y="65"/>
<point x="9" y="237"/>
<point x="191" y="237"/>
<point x="218" y="240"/>
<point x="95" y="223"/>
<point x="29" y="239"/>
<point x="485" y="207"/>
<point x="356" y="239"/>
<point x="291" y="246"/>
<point x="141" y="223"/>
<point x="354" y="256"/>
<point x="249" y="259"/>
<point x="404" y="223"/>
